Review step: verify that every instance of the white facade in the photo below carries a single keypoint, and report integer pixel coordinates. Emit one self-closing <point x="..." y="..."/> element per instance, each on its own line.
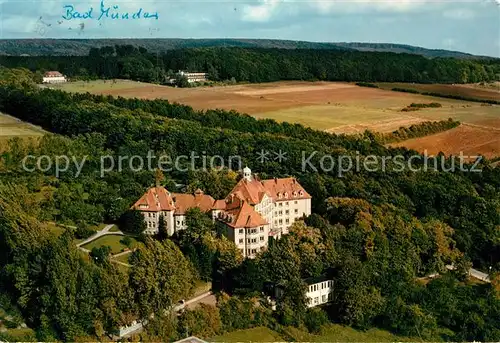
<point x="286" y="212"/>
<point x="152" y="220"/>
<point x="194" y="77"/>
<point x="319" y="293"/>
<point x="54" y="79"/>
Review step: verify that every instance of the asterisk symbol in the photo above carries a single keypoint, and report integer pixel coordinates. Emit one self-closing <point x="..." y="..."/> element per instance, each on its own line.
<point x="262" y="156"/>
<point x="280" y="156"/>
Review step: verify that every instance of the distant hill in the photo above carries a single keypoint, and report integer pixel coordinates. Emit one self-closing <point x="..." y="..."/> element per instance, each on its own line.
<point x="81" y="47"/>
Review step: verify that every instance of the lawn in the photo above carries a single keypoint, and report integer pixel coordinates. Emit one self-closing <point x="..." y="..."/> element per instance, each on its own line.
<point x="55" y="229"/>
<point x="329" y="333"/>
<point x="123" y="258"/>
<point x="258" y="334"/>
<point x="340" y="333"/>
<point x="114" y="228"/>
<point x="112" y="241"/>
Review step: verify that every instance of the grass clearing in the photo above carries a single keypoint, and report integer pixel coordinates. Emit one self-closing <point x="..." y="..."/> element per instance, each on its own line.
<point x="123" y="258"/>
<point x="11" y="127"/>
<point x="55" y="229"/>
<point x="114" y="228"/>
<point x="329" y="333"/>
<point x="258" y="334"/>
<point x="112" y="241"/>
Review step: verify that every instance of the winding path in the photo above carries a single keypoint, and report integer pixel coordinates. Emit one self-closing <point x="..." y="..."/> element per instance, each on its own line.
<point x="99" y="234"/>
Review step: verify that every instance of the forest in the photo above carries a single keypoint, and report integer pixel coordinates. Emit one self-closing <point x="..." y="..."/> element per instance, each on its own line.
<point x="260" y="65"/>
<point x="374" y="233"/>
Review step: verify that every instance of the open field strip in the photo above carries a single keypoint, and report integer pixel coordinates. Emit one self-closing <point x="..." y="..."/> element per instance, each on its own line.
<point x="12" y="127"/>
<point x="337" y="107"/>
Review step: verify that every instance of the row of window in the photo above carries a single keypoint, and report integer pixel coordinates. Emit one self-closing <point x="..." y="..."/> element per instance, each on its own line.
<point x="252" y="251"/>
<point x="250" y="231"/>
<point x="252" y="240"/>
<point x="324" y="298"/>
<point x="323" y="285"/>
<point x="280" y="204"/>
<point x="287" y="212"/>
<point x="281" y="195"/>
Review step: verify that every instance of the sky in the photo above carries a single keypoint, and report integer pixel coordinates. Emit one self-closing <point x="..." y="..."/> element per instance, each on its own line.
<point x="469" y="26"/>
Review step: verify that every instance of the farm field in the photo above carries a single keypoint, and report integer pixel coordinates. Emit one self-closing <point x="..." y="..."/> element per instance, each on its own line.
<point x="335" y="107"/>
<point x="12" y="127"/>
<point x="489" y="91"/>
<point x="467" y="138"/>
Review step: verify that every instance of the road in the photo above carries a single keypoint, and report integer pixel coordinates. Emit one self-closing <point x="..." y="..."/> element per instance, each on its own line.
<point x="101" y="233"/>
<point x="474" y="273"/>
<point x="205" y="298"/>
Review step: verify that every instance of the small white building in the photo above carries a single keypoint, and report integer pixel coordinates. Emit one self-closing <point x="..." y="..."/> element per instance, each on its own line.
<point x="319" y="291"/>
<point x="54" y="77"/>
<point x="194" y="77"/>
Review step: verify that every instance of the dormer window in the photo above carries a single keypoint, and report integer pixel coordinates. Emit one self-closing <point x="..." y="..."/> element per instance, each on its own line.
<point x="286" y="194"/>
<point x="294" y="194"/>
<point x="301" y="193"/>
<point x="279" y="195"/>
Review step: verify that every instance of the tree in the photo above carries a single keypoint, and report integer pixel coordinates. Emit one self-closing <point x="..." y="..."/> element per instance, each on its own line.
<point x="181" y="81"/>
<point x="160" y="276"/>
<point x="132" y="222"/>
<point x="101" y="254"/>
<point x="162" y="228"/>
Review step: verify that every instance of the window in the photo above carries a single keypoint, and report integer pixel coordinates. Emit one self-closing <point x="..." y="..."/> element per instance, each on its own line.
<point x="287" y="212"/>
<point x="296" y="211"/>
<point x="330" y="296"/>
<point x="287" y="220"/>
<point x="261" y="238"/>
<point x="316" y="300"/>
<point x="281" y="221"/>
<point x="254" y="240"/>
<point x="241" y="231"/>
<point x="286" y="203"/>
<point x="261" y="229"/>
<point x="323" y="298"/>
<point x="280" y="204"/>
<point x="241" y="241"/>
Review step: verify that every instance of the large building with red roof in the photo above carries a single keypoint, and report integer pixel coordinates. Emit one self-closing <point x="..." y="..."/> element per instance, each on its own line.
<point x="53" y="77"/>
<point x="250" y="214"/>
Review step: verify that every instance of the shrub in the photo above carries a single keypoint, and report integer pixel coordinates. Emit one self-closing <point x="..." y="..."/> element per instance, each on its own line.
<point x="83" y="231"/>
<point x="315" y="318"/>
<point x="126" y="241"/>
<point x="405" y="90"/>
<point x="366" y="84"/>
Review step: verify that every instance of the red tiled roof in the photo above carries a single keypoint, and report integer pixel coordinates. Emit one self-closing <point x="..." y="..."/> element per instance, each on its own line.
<point x="53" y="74"/>
<point x="288" y="188"/>
<point x="245" y="216"/>
<point x="219" y="205"/>
<point x="250" y="191"/>
<point x="184" y="202"/>
<point x="155" y="199"/>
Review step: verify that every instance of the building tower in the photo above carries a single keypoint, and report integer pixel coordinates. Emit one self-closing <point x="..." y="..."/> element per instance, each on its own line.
<point x="247" y="174"/>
